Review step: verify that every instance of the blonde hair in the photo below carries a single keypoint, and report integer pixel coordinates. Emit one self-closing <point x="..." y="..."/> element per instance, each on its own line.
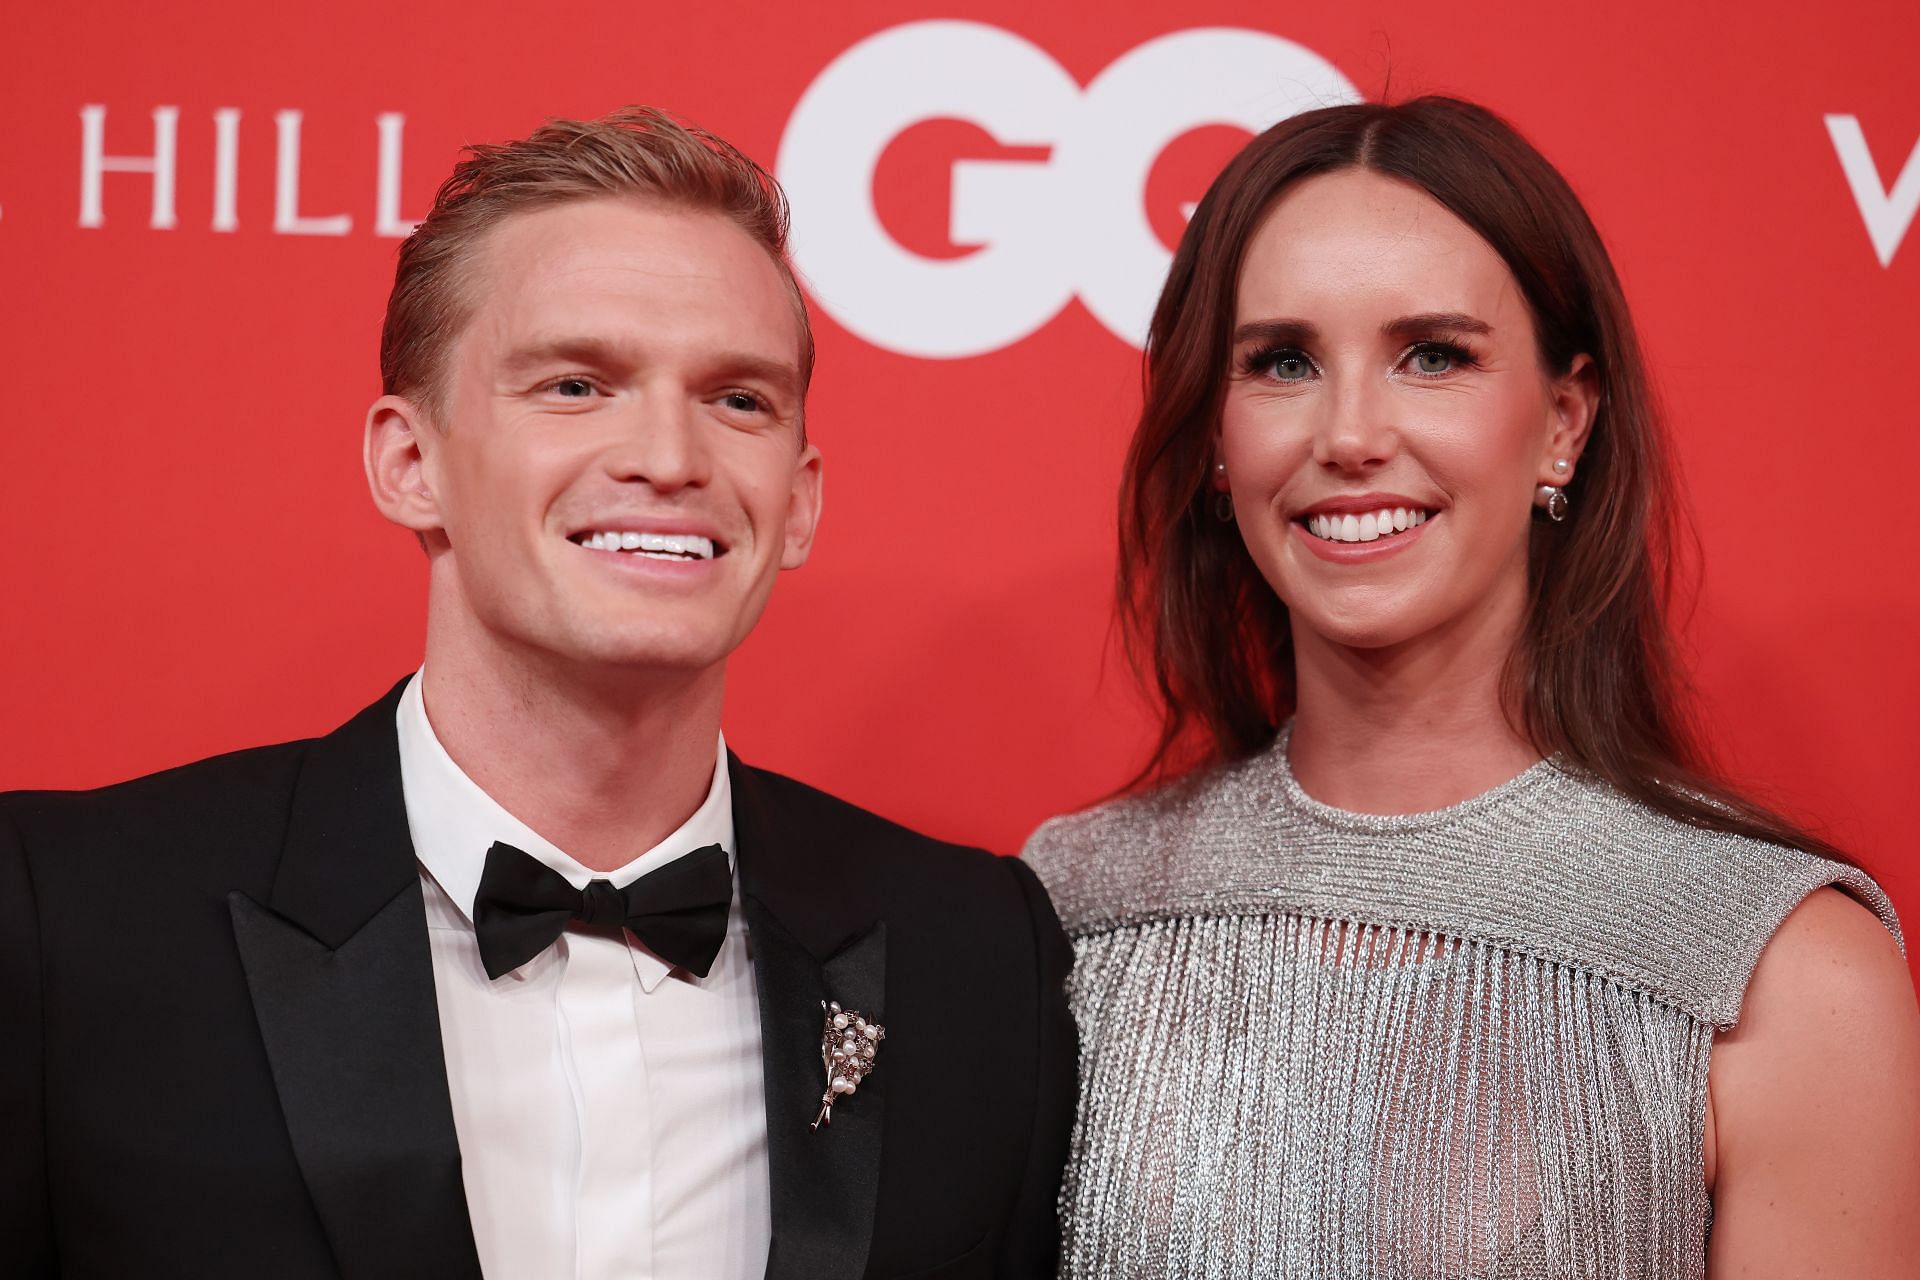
<point x="634" y="151"/>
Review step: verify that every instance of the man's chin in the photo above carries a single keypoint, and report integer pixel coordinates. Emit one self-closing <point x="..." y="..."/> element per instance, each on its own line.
<point x="642" y="655"/>
<point x="622" y="638"/>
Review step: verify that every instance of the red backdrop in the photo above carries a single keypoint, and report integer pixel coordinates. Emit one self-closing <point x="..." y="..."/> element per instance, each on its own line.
<point x="190" y="564"/>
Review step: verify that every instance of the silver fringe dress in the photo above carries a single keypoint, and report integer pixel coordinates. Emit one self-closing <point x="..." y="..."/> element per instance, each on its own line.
<point x="1471" y="1042"/>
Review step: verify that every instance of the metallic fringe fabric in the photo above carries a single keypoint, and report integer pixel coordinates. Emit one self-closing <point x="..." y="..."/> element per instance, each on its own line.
<point x="1287" y="1096"/>
<point x="1464" y="1044"/>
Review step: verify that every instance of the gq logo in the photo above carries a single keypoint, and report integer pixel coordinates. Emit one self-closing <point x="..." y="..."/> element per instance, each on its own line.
<point x="1074" y="223"/>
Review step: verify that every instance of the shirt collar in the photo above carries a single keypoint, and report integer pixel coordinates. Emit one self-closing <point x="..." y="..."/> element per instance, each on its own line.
<point x="453" y="823"/>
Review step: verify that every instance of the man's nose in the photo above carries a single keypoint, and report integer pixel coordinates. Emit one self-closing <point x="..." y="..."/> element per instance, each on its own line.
<point x="660" y="442"/>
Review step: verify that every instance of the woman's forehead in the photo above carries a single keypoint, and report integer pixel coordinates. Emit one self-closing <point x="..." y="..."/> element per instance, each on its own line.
<point x="1358" y="241"/>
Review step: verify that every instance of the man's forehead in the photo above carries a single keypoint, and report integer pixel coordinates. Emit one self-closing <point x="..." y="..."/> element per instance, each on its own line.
<point x="615" y="236"/>
<point x="605" y="264"/>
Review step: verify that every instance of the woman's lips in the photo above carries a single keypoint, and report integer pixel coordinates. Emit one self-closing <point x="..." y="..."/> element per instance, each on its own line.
<point x="1341" y="549"/>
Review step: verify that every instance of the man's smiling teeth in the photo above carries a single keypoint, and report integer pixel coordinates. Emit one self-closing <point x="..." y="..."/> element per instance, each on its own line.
<point x="1370" y="527"/>
<point x="658" y="546"/>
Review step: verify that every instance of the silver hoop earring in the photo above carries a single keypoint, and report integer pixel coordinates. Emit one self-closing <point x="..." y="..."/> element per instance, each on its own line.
<point x="1223" y="507"/>
<point x="1554" y="500"/>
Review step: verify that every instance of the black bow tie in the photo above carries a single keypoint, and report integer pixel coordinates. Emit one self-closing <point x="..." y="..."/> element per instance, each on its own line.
<point x="679" y="911"/>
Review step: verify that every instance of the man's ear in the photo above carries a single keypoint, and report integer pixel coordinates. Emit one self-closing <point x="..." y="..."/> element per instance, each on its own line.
<point x="1576" y="401"/>
<point x="398" y="447"/>
<point x="803" y="511"/>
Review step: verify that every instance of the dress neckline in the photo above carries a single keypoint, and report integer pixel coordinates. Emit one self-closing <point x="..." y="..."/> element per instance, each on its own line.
<point x="1350" y="820"/>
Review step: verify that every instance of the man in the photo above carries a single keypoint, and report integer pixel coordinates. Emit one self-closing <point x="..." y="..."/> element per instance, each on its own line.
<point x="518" y="971"/>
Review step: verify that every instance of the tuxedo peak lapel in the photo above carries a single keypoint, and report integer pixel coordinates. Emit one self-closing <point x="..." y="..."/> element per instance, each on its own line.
<point x="341" y="976"/>
<point x="795" y="866"/>
<point x="825" y="1182"/>
<point x="347" y="849"/>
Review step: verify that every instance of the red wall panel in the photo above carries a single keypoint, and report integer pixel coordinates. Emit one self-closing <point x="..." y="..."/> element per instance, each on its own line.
<point x="188" y="561"/>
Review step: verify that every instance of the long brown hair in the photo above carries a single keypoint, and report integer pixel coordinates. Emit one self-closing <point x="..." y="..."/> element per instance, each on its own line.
<point x="1594" y="676"/>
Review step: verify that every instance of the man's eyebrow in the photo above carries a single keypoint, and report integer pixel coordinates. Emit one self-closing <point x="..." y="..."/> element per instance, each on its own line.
<point x="1275" y="332"/>
<point x="600" y="353"/>
<point x="566" y="349"/>
<point x="781" y="374"/>
<point x="1435" y="321"/>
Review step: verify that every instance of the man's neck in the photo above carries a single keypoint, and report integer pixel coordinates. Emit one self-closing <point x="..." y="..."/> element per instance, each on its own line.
<point x="1410" y="728"/>
<point x="605" y="764"/>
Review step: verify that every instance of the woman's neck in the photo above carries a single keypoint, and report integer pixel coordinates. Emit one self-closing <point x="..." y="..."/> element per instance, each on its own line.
<point x="1408" y="728"/>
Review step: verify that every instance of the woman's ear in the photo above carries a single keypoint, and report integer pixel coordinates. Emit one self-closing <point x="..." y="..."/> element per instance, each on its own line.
<point x="1575" y="402"/>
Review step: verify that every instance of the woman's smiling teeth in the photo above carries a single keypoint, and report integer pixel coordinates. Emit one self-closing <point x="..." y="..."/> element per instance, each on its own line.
<point x="1370" y="527"/>
<point x="657" y="546"/>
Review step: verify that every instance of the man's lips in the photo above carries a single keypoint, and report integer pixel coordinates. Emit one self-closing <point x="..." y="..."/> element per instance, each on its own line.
<point x="663" y="541"/>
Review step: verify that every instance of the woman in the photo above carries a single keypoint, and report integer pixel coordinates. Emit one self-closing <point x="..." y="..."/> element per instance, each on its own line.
<point x="1447" y="960"/>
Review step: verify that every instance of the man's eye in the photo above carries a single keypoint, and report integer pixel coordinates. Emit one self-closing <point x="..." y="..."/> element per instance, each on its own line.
<point x="573" y="388"/>
<point x="742" y="402"/>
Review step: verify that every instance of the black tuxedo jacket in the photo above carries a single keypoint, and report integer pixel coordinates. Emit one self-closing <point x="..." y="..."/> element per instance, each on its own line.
<point x="220" y="1053"/>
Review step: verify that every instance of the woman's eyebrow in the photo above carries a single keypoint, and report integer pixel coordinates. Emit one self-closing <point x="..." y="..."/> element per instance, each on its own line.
<point x="1285" y="329"/>
<point x="1431" y="321"/>
<point x="1275" y="331"/>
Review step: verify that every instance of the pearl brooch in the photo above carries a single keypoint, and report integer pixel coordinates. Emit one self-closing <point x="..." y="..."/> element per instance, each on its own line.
<point x="848" y="1045"/>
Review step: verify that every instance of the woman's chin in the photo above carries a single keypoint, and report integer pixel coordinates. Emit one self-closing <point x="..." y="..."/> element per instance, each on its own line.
<point x="1369" y="639"/>
<point x="1360" y="619"/>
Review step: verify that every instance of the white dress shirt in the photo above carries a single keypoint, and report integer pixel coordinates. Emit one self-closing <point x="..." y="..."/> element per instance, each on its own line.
<point x="609" y="1106"/>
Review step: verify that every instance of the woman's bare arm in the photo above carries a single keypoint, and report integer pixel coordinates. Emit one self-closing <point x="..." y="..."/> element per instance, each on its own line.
<point x="1815" y="1106"/>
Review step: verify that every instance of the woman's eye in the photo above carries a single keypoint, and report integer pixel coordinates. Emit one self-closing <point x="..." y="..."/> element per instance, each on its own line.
<point x="1289" y="367"/>
<point x="1432" y="360"/>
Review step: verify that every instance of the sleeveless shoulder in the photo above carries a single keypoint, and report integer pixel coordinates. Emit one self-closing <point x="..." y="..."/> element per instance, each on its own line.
<point x="1126" y="856"/>
<point x="1548" y="864"/>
